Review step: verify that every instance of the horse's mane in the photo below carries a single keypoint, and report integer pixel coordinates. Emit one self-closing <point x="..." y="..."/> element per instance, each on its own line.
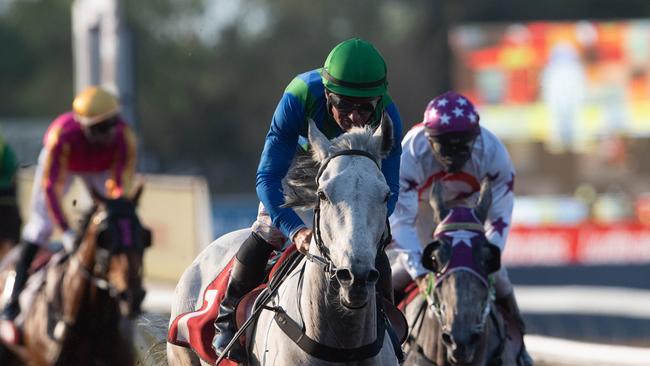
<point x="300" y="184"/>
<point x="84" y="223"/>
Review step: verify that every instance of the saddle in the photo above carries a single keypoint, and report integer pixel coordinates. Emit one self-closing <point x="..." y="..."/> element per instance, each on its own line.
<point x="408" y="295"/>
<point x="195" y="329"/>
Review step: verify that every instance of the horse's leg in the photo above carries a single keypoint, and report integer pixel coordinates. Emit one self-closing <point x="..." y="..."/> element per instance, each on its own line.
<point x="181" y="356"/>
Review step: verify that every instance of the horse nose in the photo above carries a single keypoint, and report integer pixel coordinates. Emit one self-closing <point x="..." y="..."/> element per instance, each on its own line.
<point x="448" y="340"/>
<point x="348" y="277"/>
<point x="458" y="345"/>
<point x="344" y="276"/>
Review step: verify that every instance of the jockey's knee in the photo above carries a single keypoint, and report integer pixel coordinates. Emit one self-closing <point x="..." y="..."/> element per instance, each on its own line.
<point x="254" y="249"/>
<point x="38" y="234"/>
<point x="269" y="233"/>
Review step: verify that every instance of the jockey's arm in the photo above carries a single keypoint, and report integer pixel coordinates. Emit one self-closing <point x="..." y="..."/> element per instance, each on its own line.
<point x="279" y="149"/>
<point x="390" y="166"/>
<point x="499" y="219"/>
<point x="123" y="168"/>
<point x="403" y="219"/>
<point x="54" y="176"/>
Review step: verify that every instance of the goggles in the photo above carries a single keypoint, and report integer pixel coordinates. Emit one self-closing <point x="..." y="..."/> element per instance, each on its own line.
<point x="103" y="128"/>
<point x="365" y="107"/>
<point x="450" y="145"/>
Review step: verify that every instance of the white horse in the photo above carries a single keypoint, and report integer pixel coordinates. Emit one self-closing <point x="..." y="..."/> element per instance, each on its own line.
<point x="331" y="299"/>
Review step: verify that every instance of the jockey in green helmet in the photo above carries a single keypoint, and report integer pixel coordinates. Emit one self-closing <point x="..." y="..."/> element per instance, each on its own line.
<point x="350" y="90"/>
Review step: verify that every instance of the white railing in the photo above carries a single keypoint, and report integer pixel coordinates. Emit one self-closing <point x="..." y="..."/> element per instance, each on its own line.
<point x="549" y="351"/>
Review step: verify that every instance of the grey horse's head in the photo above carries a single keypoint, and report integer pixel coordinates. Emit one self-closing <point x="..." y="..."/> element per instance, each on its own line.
<point x="351" y="194"/>
<point x="461" y="259"/>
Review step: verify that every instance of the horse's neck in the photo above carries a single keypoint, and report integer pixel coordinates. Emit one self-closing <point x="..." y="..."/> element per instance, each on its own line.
<point x="77" y="272"/>
<point x="85" y="254"/>
<point x="328" y="322"/>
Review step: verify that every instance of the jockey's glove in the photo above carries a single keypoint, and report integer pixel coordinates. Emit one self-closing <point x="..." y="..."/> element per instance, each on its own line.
<point x="68" y="240"/>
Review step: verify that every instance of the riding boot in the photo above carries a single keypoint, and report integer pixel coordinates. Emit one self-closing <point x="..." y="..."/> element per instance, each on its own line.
<point x="509" y="305"/>
<point x="248" y="271"/>
<point x="12" y="308"/>
<point x="385" y="283"/>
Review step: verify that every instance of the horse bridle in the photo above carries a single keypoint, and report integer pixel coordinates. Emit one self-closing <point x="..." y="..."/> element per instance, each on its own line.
<point x="325" y="260"/>
<point x="431" y="297"/>
<point x="96" y="276"/>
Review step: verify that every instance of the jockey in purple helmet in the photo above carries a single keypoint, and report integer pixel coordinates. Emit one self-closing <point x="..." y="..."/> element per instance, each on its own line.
<point x="451" y="147"/>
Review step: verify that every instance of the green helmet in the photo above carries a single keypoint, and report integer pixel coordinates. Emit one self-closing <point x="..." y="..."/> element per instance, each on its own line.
<point x="356" y="69"/>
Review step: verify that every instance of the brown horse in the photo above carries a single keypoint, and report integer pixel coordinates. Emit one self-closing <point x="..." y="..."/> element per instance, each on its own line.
<point x="81" y="314"/>
<point x="456" y="322"/>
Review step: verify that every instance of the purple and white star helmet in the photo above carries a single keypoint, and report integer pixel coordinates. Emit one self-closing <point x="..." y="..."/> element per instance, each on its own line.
<point x="450" y="112"/>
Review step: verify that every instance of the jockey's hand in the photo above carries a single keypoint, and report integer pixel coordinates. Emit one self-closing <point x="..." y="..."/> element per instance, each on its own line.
<point x="302" y="239"/>
<point x="68" y="239"/>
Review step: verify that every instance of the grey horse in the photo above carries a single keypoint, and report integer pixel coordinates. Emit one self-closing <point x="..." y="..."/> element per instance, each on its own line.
<point x="331" y="297"/>
<point x="456" y="322"/>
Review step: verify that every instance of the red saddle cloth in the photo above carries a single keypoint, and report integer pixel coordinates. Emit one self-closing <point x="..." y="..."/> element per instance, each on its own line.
<point x="195" y="329"/>
<point x="410" y="292"/>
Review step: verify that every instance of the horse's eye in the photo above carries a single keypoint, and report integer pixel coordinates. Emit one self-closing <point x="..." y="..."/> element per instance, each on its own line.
<point x="322" y="196"/>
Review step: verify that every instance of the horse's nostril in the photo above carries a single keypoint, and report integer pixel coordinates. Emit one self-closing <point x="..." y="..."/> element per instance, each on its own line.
<point x="344" y="276"/>
<point x="373" y="276"/>
<point x="447" y="339"/>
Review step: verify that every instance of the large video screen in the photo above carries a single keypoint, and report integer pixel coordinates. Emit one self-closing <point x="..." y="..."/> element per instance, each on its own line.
<point x="565" y="83"/>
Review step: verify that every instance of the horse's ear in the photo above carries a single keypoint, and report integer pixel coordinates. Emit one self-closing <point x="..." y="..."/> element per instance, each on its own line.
<point x="490" y="258"/>
<point x="319" y="142"/>
<point x="135" y="198"/>
<point x="96" y="196"/>
<point x="484" y="200"/>
<point x="384" y="135"/>
<point x="437" y="203"/>
<point x="436" y="256"/>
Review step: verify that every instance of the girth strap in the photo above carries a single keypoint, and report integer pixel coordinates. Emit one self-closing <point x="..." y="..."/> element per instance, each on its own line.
<point x="324" y="352"/>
